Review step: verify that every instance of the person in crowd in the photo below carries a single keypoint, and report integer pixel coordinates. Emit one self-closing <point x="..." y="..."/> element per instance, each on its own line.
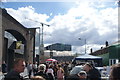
<point x="69" y="66"/>
<point x="60" y="73"/>
<point x="4" y="67"/>
<point x="14" y="74"/>
<point x="115" y="72"/>
<point x="55" y="68"/>
<point x="41" y="71"/>
<point x="50" y="72"/>
<point x="73" y="77"/>
<point x="35" y="68"/>
<point x="66" y="69"/>
<point x="92" y="72"/>
<point x="82" y="75"/>
<point x="30" y="69"/>
<point x="37" y="78"/>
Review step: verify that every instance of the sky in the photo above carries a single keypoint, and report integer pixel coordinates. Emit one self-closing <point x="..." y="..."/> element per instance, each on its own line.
<point x="91" y="20"/>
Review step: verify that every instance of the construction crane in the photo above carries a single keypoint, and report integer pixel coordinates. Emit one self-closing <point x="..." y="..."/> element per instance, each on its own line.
<point x="42" y="44"/>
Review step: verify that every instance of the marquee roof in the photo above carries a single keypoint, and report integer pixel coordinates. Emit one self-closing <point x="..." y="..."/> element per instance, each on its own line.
<point x="87" y="57"/>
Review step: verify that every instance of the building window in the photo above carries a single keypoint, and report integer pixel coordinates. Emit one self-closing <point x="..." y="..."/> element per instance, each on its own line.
<point x="113" y="61"/>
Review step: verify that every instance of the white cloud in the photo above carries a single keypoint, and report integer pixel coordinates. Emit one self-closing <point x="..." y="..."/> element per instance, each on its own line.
<point x="94" y="21"/>
<point x="97" y="25"/>
<point x="27" y="16"/>
<point x="81" y="49"/>
<point x="51" y="14"/>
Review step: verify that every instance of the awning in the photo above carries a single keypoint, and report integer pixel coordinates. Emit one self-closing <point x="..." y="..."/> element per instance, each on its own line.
<point x="53" y="60"/>
<point x="87" y="57"/>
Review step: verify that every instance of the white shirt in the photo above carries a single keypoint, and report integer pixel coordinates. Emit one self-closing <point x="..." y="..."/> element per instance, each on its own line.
<point x="50" y="71"/>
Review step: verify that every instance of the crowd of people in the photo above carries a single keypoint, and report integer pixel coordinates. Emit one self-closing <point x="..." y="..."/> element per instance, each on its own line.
<point x="48" y="71"/>
<point x="57" y="71"/>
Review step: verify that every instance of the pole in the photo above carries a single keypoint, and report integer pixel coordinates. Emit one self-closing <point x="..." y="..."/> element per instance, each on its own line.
<point x="39" y="44"/>
<point x="85" y="46"/>
<point x="42" y="45"/>
<point x="42" y="37"/>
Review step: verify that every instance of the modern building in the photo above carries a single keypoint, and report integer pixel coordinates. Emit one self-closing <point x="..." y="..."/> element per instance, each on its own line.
<point x="59" y="51"/>
<point x="59" y="47"/>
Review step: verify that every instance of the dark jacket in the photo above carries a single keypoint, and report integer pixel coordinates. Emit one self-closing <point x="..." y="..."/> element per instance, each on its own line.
<point x="44" y="75"/>
<point x="93" y="74"/>
<point x="13" y="75"/>
<point x="51" y="77"/>
<point x="4" y="68"/>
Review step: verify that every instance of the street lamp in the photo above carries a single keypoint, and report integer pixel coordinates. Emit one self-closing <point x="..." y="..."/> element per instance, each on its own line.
<point x="85" y="43"/>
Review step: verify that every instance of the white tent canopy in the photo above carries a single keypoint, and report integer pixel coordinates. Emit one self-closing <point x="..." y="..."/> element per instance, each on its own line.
<point x="87" y="57"/>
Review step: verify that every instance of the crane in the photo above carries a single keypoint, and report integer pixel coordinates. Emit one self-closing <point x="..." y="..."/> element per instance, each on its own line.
<point x="42" y="44"/>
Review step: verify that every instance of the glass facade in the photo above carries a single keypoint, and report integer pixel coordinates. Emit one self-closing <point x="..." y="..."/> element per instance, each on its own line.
<point x="59" y="47"/>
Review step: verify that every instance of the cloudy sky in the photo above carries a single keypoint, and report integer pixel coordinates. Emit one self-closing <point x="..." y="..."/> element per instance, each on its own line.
<point x="91" y="20"/>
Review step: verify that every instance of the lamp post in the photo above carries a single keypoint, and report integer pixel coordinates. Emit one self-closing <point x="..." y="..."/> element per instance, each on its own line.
<point x="85" y="43"/>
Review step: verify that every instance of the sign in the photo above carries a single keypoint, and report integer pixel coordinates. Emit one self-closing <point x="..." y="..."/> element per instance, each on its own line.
<point x="18" y="44"/>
